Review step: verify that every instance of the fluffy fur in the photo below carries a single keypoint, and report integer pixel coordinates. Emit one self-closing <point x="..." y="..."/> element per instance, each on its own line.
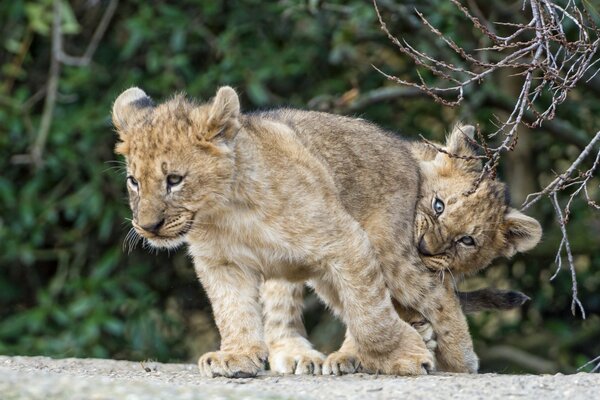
<point x="293" y="196"/>
<point x="495" y="228"/>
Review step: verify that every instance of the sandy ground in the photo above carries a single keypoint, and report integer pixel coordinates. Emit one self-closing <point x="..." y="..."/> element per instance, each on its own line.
<point x="49" y="379"/>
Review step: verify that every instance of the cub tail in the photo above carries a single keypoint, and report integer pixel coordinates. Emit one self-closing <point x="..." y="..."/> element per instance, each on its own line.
<point x="491" y="299"/>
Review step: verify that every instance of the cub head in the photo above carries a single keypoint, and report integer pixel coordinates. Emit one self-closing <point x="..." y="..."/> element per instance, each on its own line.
<point x="464" y="233"/>
<point x="179" y="160"/>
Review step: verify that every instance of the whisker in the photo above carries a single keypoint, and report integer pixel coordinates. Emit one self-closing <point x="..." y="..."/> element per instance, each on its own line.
<point x="126" y="239"/>
<point x="453" y="280"/>
<point x="115" y="162"/>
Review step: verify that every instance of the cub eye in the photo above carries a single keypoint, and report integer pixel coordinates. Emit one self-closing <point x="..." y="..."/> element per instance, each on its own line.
<point x="467" y="241"/>
<point x="438" y="206"/>
<point x="132" y="181"/>
<point x="174" y="180"/>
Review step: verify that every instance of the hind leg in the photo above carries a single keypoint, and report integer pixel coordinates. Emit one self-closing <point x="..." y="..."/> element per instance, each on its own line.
<point x="413" y="287"/>
<point x="348" y="359"/>
<point x="290" y="352"/>
<point x="454" y="351"/>
<point x="352" y="284"/>
<point x="438" y="305"/>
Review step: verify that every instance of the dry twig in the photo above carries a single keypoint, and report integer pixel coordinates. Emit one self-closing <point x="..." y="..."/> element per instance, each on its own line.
<point x="57" y="58"/>
<point x="550" y="62"/>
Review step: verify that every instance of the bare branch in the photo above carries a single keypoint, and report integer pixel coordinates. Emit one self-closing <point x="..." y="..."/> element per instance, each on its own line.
<point x="549" y="63"/>
<point x="35" y="156"/>
<point x="594" y="361"/>
<point x="57" y="58"/>
<point x="556" y="184"/>
<point x="567" y="246"/>
<point x="539" y="51"/>
<point x="94" y="42"/>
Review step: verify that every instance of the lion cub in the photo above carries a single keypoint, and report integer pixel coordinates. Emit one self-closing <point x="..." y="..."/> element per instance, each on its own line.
<point x="452" y="233"/>
<point x="256" y="197"/>
<point x="295" y="196"/>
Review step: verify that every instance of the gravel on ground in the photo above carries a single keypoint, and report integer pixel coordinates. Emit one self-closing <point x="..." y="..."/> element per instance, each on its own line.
<point x="50" y="379"/>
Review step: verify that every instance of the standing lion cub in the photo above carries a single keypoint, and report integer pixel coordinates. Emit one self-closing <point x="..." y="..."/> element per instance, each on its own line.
<point x="294" y="195"/>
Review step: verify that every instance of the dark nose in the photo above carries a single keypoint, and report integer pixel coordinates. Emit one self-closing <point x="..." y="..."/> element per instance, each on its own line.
<point x="422" y="246"/>
<point x="154" y="227"/>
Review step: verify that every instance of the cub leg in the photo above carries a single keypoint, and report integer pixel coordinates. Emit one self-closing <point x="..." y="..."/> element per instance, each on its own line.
<point x="344" y="361"/>
<point x="354" y="287"/>
<point x="413" y="287"/>
<point x="437" y="303"/>
<point x="233" y="293"/>
<point x="454" y="351"/>
<point x="290" y="352"/>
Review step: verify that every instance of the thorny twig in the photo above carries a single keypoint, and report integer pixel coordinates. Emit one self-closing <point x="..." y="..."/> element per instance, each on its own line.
<point x="539" y="51"/>
<point x="550" y="64"/>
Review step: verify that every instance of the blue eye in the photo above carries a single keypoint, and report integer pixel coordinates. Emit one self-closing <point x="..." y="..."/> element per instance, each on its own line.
<point x="438" y="206"/>
<point x="467" y="241"/>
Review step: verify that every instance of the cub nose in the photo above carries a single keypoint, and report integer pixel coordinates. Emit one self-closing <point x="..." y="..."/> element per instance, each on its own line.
<point x="153" y="227"/>
<point x="422" y="246"/>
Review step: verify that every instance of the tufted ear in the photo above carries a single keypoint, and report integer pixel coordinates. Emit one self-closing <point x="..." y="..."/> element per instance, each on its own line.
<point x="223" y="116"/>
<point x="129" y="107"/>
<point x="522" y="232"/>
<point x="458" y="142"/>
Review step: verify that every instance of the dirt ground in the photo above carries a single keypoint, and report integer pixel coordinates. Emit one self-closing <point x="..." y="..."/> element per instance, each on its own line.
<point x="49" y="379"/>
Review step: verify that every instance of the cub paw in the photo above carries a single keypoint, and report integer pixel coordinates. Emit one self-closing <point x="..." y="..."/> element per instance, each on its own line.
<point x="299" y="362"/>
<point x="410" y="357"/>
<point x="232" y="365"/>
<point x="425" y="329"/>
<point x="340" y="363"/>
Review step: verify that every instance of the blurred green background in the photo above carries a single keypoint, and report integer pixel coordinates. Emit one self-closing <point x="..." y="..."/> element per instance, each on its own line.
<point x="68" y="288"/>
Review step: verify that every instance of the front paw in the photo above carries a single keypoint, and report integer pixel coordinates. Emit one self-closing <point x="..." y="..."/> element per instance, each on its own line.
<point x="232" y="364"/>
<point x="296" y="361"/>
<point x="341" y="363"/>
<point x="425" y="329"/>
<point x="410" y="357"/>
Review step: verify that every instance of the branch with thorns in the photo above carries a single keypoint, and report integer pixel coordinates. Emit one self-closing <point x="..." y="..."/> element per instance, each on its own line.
<point x="550" y="62"/>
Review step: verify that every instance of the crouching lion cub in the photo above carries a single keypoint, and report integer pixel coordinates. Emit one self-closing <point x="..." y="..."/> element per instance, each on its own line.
<point x="454" y="235"/>
<point x="293" y="195"/>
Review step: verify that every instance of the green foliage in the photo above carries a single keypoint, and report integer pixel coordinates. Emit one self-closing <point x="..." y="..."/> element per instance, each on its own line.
<point x="67" y="288"/>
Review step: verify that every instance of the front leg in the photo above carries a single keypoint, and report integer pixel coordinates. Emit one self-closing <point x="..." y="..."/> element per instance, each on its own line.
<point x="233" y="293"/>
<point x="454" y="352"/>
<point x="290" y="352"/>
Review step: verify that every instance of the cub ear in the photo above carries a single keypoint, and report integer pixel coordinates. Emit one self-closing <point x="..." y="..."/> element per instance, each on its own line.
<point x="224" y="114"/>
<point x="128" y="108"/>
<point x="522" y="232"/>
<point x="459" y="142"/>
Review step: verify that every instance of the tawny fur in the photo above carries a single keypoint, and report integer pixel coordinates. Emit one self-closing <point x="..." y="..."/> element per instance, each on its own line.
<point x="295" y="196"/>
<point x="485" y="215"/>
